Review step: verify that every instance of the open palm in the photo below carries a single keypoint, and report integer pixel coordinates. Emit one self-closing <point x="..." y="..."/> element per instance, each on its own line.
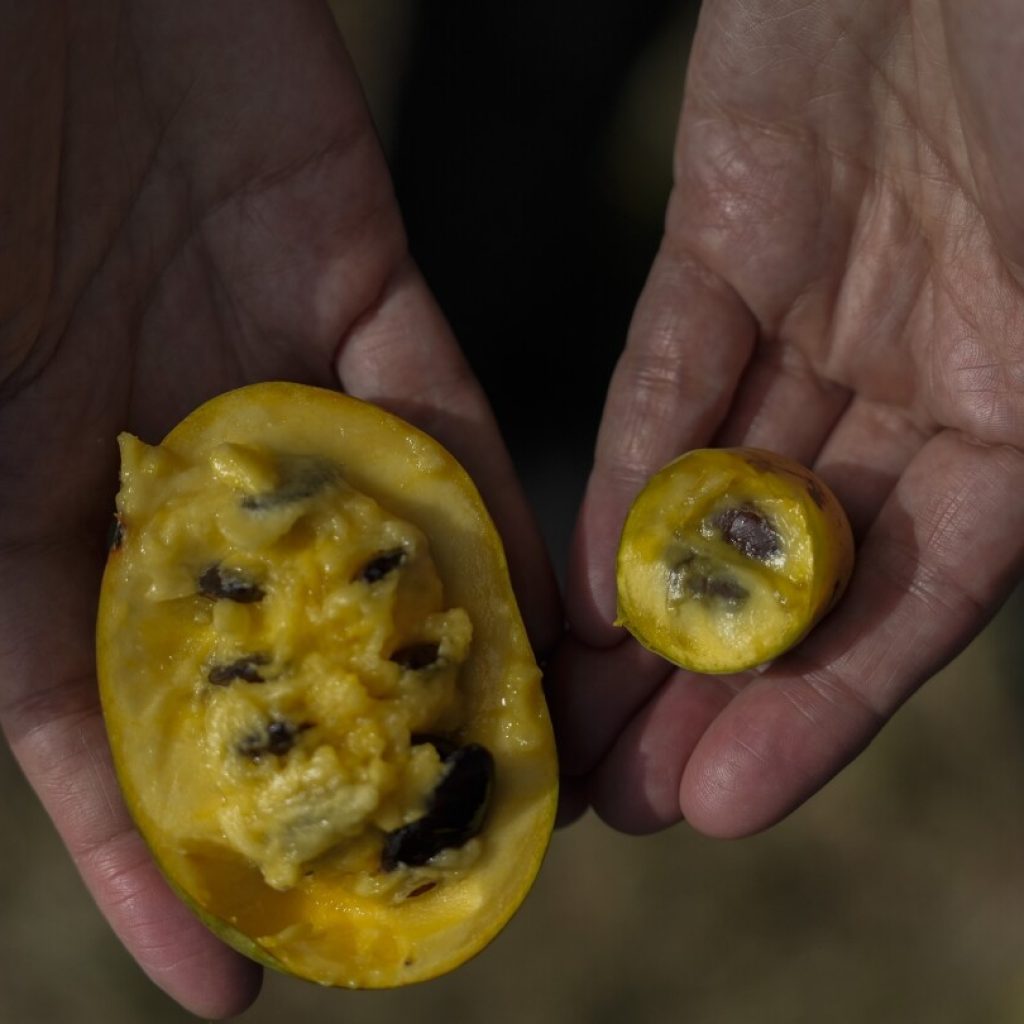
<point x="842" y="280"/>
<point x="191" y="197"/>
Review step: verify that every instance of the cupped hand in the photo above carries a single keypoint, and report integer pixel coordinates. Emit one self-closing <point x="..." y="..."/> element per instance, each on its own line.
<point x="841" y="279"/>
<point x="191" y="197"/>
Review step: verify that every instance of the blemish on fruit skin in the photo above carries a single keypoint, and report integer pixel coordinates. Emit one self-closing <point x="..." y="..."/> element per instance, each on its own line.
<point x="814" y="491"/>
<point x="760" y="464"/>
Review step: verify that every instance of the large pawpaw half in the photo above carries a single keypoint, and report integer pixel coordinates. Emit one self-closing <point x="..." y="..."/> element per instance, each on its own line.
<point x="323" y="708"/>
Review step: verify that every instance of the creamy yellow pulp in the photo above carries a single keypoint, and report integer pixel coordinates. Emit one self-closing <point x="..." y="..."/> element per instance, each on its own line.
<point x="284" y="641"/>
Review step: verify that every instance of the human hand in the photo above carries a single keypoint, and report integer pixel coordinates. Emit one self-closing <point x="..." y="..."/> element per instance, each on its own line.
<point x="192" y="197"/>
<point x="841" y="279"/>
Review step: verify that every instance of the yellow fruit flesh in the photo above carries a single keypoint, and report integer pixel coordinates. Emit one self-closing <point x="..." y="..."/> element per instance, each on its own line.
<point x="728" y="557"/>
<point x="264" y="743"/>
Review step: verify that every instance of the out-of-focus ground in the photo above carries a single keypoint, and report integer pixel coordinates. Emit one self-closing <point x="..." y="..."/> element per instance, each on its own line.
<point x="892" y="897"/>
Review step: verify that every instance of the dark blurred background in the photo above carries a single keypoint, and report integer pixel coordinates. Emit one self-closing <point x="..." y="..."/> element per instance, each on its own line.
<point x="531" y="148"/>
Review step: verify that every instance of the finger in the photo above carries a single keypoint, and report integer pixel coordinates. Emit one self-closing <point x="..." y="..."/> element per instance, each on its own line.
<point x="636" y="787"/>
<point x="51" y="717"/>
<point x="592" y="692"/>
<point x="401" y="355"/>
<point x="865" y="454"/>
<point x="572" y="801"/>
<point x="687" y="345"/>
<point x="783" y="405"/>
<point x="941" y="556"/>
<point x="68" y="764"/>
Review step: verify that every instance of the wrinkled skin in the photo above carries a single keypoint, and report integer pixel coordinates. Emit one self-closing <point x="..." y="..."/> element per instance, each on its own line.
<point x="841" y="279"/>
<point x="192" y="197"/>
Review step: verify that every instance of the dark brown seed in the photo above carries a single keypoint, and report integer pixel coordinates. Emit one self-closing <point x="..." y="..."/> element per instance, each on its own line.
<point x="277" y="737"/>
<point x="246" y="669"/>
<point x="454" y="815"/>
<point x="416" y="656"/>
<point x="722" y="587"/>
<point x="280" y="737"/>
<point x="221" y="582"/>
<point x="749" y="532"/>
<point x="697" y="577"/>
<point x="381" y="565"/>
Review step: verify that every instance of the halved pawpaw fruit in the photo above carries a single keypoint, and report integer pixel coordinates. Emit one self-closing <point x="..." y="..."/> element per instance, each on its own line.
<point x="729" y="557"/>
<point x="325" y="715"/>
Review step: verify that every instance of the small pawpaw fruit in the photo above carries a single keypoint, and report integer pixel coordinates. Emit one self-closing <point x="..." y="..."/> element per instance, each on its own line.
<point x="729" y="557"/>
<point x="324" y="712"/>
